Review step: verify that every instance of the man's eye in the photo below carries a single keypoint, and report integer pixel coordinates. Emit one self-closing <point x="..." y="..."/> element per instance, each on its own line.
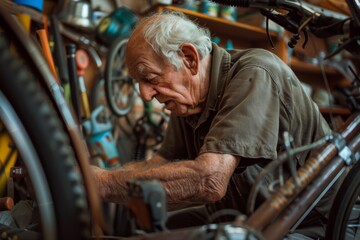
<point x="146" y="80"/>
<point x="150" y="80"/>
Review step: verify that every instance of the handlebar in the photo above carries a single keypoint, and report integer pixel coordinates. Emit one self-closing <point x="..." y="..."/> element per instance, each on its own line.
<point x="302" y="16"/>
<point x="290" y="5"/>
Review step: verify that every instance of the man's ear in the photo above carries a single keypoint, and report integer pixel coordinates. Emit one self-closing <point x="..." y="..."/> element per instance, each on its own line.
<point x="190" y="57"/>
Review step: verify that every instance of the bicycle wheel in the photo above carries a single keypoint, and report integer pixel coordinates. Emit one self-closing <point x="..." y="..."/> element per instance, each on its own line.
<point x="44" y="151"/>
<point x="344" y="219"/>
<point x="119" y="87"/>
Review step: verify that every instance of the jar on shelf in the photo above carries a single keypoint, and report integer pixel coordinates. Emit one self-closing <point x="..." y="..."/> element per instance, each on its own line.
<point x="192" y="5"/>
<point x="209" y="8"/>
<point x="228" y="13"/>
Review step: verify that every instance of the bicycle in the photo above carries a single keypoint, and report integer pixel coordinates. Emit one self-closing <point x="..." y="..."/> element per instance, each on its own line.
<point x="48" y="141"/>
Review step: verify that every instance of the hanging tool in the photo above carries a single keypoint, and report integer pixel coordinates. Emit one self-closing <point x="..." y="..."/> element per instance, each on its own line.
<point x="60" y="57"/>
<point x="82" y="62"/>
<point x="25" y="20"/>
<point x="42" y="34"/>
<point x="74" y="88"/>
<point x="98" y="131"/>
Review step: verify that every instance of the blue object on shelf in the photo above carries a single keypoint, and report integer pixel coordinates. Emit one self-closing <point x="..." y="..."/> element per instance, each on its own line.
<point x="228" y="13"/>
<point x="229" y="45"/>
<point x="37" y="4"/>
<point x="209" y="8"/>
<point x="119" y="23"/>
<point x="216" y="40"/>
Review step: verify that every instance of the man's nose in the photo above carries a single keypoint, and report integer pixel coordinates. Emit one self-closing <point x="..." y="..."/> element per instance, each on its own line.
<point x="147" y="91"/>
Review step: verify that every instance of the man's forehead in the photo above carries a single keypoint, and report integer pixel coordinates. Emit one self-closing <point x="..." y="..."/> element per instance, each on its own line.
<point x="135" y="39"/>
<point x="136" y="50"/>
<point x="138" y="32"/>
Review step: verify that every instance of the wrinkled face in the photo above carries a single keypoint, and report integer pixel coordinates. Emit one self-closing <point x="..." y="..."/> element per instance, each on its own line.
<point x="179" y="89"/>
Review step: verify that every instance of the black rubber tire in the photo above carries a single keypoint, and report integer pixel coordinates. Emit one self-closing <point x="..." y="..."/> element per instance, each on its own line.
<point x="117" y="80"/>
<point x="52" y="146"/>
<point x="347" y="197"/>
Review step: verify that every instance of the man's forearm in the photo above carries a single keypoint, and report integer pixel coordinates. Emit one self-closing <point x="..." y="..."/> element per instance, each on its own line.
<point x="111" y="184"/>
<point x="184" y="185"/>
<point x="146" y="164"/>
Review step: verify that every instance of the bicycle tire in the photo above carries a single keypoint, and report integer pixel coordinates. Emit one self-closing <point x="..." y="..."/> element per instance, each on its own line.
<point x="38" y="122"/>
<point x="343" y="208"/>
<point x="119" y="87"/>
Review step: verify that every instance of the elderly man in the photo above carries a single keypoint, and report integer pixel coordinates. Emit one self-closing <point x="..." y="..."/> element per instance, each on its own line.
<point x="228" y="114"/>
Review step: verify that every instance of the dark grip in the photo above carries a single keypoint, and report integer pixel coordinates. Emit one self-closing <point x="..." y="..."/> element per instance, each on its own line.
<point x="74" y="88"/>
<point x="59" y="53"/>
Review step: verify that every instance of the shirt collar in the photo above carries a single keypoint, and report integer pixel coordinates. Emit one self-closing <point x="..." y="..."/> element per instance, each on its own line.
<point x="220" y="65"/>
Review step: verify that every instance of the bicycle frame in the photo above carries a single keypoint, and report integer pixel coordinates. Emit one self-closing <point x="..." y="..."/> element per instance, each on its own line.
<point x="280" y="212"/>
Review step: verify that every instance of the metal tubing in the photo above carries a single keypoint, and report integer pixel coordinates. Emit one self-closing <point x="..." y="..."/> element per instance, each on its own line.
<point x="283" y="223"/>
<point x="281" y="199"/>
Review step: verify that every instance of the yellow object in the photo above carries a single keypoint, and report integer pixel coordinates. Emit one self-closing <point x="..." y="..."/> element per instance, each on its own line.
<point x="25" y="20"/>
<point x="67" y="93"/>
<point x="84" y="98"/>
<point x="8" y="156"/>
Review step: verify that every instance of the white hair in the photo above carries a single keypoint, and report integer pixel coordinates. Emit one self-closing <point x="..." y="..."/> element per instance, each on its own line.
<point x="167" y="31"/>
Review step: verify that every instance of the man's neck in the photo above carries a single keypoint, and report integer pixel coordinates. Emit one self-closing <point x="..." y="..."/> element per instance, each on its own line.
<point x="205" y="78"/>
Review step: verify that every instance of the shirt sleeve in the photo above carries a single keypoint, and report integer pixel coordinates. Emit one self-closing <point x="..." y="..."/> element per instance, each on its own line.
<point x="247" y="123"/>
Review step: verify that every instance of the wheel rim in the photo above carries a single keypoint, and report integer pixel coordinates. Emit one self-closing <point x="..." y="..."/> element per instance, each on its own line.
<point x="352" y="221"/>
<point x="120" y="90"/>
<point x="26" y="150"/>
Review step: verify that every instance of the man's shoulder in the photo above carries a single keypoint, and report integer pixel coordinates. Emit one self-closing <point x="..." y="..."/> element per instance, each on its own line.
<point x="252" y="55"/>
<point x="258" y="58"/>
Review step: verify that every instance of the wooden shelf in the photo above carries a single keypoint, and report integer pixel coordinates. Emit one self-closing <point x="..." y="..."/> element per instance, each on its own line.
<point x="305" y="67"/>
<point x="335" y="110"/>
<point x="232" y="29"/>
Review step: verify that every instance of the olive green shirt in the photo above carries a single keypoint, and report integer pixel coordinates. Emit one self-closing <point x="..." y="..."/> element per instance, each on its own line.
<point x="253" y="98"/>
